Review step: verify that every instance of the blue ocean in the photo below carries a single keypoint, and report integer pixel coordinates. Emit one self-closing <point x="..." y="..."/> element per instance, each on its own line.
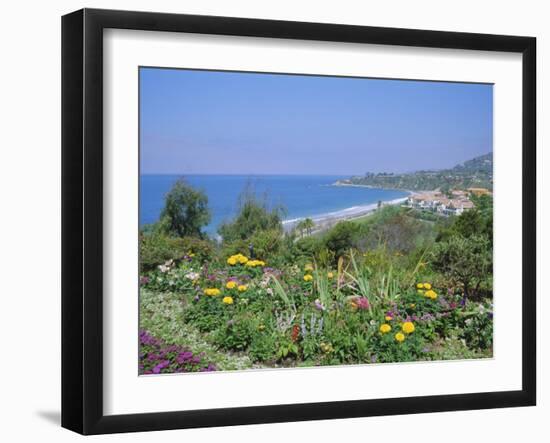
<point x="301" y="195"/>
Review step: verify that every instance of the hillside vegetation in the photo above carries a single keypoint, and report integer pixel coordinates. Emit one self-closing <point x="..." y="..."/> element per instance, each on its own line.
<point x="391" y="287"/>
<point x="474" y="173"/>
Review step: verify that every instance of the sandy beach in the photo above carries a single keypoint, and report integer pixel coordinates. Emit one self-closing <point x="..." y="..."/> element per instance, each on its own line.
<point x="326" y="221"/>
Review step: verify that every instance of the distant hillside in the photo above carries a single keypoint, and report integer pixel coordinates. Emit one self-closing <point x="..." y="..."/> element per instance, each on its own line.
<point x="474" y="173"/>
<point x="478" y="165"/>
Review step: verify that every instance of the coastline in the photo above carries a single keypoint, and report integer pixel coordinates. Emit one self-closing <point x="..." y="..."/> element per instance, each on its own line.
<point x="327" y="220"/>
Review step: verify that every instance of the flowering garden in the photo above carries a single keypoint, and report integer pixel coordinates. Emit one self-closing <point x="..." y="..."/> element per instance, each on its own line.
<point x="391" y="288"/>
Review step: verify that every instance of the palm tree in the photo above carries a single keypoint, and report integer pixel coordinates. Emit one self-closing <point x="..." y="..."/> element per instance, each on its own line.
<point x="305" y="226"/>
<point x="308" y="225"/>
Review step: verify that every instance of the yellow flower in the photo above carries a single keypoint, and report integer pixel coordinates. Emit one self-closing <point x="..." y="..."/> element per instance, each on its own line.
<point x="242" y="288"/>
<point x="419" y="285"/>
<point x="385" y="328"/>
<point x="388" y="318"/>
<point x="427" y="286"/>
<point x="254" y="263"/>
<point x="308" y="267"/>
<point x="308" y="277"/>
<point x="399" y="337"/>
<point x="242" y="259"/>
<point x="212" y="291"/>
<point x="408" y="327"/>
<point x="420" y="291"/>
<point x="412" y="305"/>
<point x="330" y="275"/>
<point x="431" y="294"/>
<point x="231" y="284"/>
<point x="232" y="261"/>
<point x="228" y="300"/>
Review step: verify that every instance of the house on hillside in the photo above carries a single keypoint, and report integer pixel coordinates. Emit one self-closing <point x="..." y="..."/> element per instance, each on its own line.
<point x="439" y="203"/>
<point x="480" y="191"/>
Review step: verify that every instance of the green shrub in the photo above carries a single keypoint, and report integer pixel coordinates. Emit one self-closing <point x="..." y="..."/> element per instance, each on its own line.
<point x="206" y="314"/>
<point x="155" y="248"/>
<point x="262" y="348"/>
<point x="236" y="334"/>
<point x="203" y="249"/>
<point x="468" y="261"/>
<point x="341" y="238"/>
<point x="254" y="216"/>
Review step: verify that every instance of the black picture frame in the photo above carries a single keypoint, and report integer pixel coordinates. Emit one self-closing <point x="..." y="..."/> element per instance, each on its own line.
<point x="82" y="216"/>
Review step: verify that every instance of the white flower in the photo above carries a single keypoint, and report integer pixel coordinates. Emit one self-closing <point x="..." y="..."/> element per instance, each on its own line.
<point x="192" y="275"/>
<point x="269" y="291"/>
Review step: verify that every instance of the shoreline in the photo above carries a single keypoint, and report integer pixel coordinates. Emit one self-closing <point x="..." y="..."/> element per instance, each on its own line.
<point x="327" y="220"/>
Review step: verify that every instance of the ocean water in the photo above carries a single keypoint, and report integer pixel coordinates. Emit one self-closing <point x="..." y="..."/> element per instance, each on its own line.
<point x="301" y="195"/>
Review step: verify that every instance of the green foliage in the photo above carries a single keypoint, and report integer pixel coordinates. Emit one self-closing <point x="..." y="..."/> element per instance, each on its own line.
<point x="472" y="222"/>
<point x="206" y="314"/>
<point x="477" y="172"/>
<point x="466" y="260"/>
<point x="305" y="226"/>
<point x="320" y="298"/>
<point x="398" y="233"/>
<point x="155" y="248"/>
<point x="306" y="247"/>
<point x="342" y="237"/>
<point x="263" y="346"/>
<point x="254" y="216"/>
<point x="478" y="329"/>
<point x="237" y="333"/>
<point x="201" y="249"/>
<point x="185" y="211"/>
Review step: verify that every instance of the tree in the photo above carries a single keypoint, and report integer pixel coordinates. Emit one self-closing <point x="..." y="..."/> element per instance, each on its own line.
<point x="185" y="210"/>
<point x="305" y="226"/>
<point x="254" y="216"/>
<point x="466" y="260"/>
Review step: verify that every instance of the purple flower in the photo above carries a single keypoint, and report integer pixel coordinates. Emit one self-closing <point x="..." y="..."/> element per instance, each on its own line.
<point x="143" y="280"/>
<point x="319" y="305"/>
<point x="184" y="357"/>
<point x="209" y="368"/>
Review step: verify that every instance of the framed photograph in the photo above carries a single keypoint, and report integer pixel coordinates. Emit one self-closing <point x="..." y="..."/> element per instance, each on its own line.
<point x="269" y="221"/>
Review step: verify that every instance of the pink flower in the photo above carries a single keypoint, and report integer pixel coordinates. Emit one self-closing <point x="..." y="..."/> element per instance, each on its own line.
<point x="362" y="303"/>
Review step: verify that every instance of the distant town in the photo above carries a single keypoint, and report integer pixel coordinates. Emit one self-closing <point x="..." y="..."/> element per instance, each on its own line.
<point x="454" y="202"/>
<point x="443" y="192"/>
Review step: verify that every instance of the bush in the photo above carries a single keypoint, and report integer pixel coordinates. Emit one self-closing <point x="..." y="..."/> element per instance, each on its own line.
<point x="236" y="334"/>
<point x="254" y="216"/>
<point x="156" y="248"/>
<point x="468" y="261"/>
<point x="398" y="233"/>
<point x="341" y="238"/>
<point x="202" y="249"/>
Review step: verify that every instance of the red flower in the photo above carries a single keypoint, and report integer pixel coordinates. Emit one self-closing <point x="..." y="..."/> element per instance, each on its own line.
<point x="295" y="333"/>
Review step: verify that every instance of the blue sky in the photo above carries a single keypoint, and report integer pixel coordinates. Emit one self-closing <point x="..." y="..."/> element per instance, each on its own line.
<point x="211" y="122"/>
